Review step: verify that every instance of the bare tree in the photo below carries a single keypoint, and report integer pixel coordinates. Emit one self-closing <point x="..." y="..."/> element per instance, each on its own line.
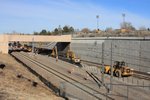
<point x="142" y="28"/>
<point x="127" y="25"/>
<point x="94" y="31"/>
<point x="85" y="30"/>
<point x="109" y="29"/>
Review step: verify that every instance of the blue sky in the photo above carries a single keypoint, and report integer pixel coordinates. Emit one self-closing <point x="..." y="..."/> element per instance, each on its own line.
<point x="34" y="15"/>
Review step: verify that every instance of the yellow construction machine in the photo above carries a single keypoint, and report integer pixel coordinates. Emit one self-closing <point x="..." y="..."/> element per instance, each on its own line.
<point x="72" y="57"/>
<point x="69" y="55"/>
<point x="119" y="69"/>
<point x="27" y="48"/>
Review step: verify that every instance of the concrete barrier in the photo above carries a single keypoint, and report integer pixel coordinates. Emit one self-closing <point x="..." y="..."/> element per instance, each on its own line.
<point x="135" y="51"/>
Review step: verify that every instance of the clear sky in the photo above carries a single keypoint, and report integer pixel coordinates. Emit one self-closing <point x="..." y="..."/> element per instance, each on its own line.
<point x="34" y="15"/>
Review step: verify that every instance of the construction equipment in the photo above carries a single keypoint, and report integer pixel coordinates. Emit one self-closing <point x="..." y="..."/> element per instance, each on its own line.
<point x="119" y="69"/>
<point x="72" y="57"/>
<point x="67" y="55"/>
<point x="15" y="46"/>
<point x="27" y="48"/>
<point x="107" y="69"/>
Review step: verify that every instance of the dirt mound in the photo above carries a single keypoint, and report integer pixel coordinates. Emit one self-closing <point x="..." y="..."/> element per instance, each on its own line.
<point x="17" y="83"/>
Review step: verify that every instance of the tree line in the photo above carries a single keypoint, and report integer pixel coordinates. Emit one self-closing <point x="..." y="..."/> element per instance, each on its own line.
<point x="57" y="31"/>
<point x="70" y="30"/>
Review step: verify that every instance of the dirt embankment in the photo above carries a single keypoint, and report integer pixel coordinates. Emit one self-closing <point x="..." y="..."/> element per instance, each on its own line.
<point x="17" y="83"/>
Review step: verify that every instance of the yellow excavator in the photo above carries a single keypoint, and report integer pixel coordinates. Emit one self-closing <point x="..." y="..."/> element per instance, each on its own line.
<point x="72" y="57"/>
<point x="119" y="69"/>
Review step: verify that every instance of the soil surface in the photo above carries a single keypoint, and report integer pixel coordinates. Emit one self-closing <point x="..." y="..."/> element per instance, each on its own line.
<point x="17" y="83"/>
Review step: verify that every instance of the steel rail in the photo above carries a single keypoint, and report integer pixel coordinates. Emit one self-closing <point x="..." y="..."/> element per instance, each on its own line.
<point x="51" y="70"/>
<point x="137" y="74"/>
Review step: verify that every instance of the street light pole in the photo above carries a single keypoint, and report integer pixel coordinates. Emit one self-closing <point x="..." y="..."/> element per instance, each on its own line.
<point x="60" y="30"/>
<point x="123" y="23"/>
<point x="123" y="15"/>
<point x="97" y="16"/>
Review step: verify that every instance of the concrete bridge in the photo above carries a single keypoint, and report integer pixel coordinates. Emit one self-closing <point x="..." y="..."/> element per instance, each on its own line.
<point x="5" y="39"/>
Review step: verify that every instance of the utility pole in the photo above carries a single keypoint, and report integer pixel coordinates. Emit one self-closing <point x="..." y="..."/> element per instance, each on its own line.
<point x="33" y="45"/>
<point x="111" y="58"/>
<point x="102" y="63"/>
<point x="140" y="56"/>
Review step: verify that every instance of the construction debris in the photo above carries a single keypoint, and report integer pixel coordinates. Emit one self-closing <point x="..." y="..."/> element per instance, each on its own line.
<point x="33" y="82"/>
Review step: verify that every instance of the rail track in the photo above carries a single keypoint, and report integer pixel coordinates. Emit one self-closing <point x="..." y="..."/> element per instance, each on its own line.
<point x="141" y="75"/>
<point x="136" y="74"/>
<point x="83" y="87"/>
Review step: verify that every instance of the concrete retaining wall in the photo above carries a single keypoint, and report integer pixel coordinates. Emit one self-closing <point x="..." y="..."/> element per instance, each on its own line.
<point x="134" y="51"/>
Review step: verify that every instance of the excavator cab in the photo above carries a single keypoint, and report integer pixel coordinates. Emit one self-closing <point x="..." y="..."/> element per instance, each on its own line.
<point x="118" y="64"/>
